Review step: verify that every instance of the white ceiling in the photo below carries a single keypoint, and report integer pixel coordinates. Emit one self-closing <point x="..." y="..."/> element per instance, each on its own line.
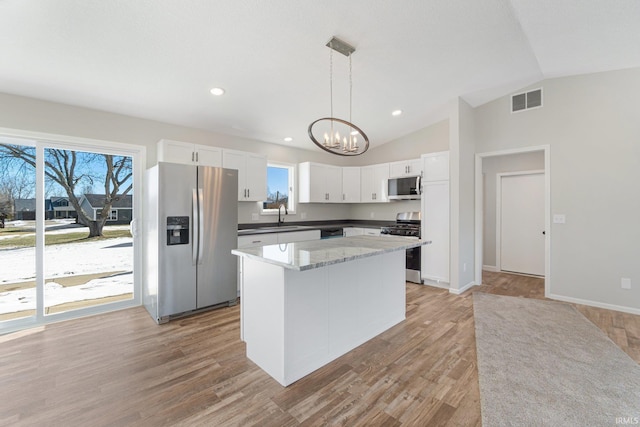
<point x="158" y="59"/>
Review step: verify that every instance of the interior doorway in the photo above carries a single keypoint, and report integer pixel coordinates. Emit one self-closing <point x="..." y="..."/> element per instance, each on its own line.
<point x="486" y="228"/>
<point x="520" y="222"/>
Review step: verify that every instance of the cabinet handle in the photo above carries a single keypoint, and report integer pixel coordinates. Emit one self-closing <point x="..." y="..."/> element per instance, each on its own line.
<point x="193" y="156"/>
<point x="197" y="157"/>
<point x="343" y="198"/>
<point x="248" y="192"/>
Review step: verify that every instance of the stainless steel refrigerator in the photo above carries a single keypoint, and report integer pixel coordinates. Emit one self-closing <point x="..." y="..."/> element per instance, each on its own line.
<point x="191" y="224"/>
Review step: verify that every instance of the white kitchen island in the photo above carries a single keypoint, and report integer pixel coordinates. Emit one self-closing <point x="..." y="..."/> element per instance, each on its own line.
<point x="307" y="303"/>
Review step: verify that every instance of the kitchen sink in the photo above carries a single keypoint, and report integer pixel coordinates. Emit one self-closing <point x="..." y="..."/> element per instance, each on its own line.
<point x="275" y="228"/>
<point x="284" y="227"/>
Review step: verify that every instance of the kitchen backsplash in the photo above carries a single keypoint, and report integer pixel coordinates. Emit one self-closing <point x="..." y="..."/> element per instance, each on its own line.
<point x="329" y="211"/>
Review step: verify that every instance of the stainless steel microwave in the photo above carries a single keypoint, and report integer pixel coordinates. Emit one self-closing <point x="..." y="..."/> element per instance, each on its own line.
<point x="407" y="188"/>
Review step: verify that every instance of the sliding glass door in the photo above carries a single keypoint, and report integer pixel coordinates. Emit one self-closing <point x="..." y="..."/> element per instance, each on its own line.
<point x="17" y="231"/>
<point x="68" y="247"/>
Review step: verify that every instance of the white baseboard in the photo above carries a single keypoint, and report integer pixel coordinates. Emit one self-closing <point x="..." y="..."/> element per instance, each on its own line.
<point x="463" y="289"/>
<point x="436" y="284"/>
<point x="492" y="268"/>
<point x="590" y="303"/>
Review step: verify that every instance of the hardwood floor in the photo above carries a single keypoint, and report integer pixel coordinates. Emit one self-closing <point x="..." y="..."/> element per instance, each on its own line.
<point x="122" y="369"/>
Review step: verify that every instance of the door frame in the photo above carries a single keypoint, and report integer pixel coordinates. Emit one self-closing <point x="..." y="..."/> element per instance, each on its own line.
<point x="479" y="209"/>
<point x="139" y="156"/>
<point x="499" y="177"/>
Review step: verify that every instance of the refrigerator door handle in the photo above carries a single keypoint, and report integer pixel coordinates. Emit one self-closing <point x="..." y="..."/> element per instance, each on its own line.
<point x="200" y="224"/>
<point x="195" y="225"/>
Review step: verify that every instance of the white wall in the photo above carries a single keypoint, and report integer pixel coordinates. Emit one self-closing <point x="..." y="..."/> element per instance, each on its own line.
<point x="30" y="114"/>
<point x="462" y="191"/>
<point x="431" y="138"/>
<point x="42" y="116"/>
<point x="592" y="126"/>
<point x="491" y="166"/>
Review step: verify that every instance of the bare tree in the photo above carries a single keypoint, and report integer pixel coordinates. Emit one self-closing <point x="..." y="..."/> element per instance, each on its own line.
<point x="70" y="169"/>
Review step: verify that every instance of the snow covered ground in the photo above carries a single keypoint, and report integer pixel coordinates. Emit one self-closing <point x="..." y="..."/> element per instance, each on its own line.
<point x="71" y="259"/>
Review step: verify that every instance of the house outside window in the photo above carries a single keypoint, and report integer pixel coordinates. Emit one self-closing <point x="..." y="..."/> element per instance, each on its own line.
<point x="280" y="188"/>
<point x="113" y="215"/>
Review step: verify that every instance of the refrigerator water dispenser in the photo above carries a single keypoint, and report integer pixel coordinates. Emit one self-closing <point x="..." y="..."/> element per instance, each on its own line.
<point x="177" y="230"/>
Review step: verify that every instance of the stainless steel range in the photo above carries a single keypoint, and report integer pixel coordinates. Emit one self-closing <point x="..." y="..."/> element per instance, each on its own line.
<point x="408" y="225"/>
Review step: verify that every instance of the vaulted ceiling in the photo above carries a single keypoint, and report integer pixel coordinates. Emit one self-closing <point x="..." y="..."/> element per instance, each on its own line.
<point x="158" y="59"/>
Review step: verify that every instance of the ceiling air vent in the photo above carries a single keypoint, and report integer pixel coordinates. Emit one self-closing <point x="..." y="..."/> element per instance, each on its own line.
<point x="526" y="100"/>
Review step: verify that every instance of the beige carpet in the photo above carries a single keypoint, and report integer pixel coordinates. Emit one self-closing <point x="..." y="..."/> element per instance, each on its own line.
<point x="543" y="363"/>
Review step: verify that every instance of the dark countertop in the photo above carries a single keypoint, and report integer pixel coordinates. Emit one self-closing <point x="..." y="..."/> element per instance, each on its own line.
<point x="272" y="227"/>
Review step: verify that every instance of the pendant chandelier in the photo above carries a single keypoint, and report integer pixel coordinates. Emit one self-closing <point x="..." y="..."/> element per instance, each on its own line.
<point x="338" y="136"/>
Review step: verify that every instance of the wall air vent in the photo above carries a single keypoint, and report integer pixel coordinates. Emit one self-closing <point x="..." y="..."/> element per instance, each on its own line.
<point x="526" y="100"/>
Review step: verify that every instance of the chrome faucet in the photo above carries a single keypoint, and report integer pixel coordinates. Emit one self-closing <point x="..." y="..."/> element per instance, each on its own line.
<point x="282" y="205"/>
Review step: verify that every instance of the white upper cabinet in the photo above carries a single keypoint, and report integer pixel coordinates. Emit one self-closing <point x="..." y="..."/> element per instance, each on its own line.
<point x="405" y="168"/>
<point x="373" y="183"/>
<point x="188" y="153"/>
<point x="435" y="166"/>
<point x="319" y="183"/>
<point x="252" y="174"/>
<point x="351" y="184"/>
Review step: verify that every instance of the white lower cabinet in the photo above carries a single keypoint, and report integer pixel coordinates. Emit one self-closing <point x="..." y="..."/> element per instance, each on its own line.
<point x="371" y="231"/>
<point x="254" y="240"/>
<point x="298" y="236"/>
<point x="360" y="231"/>
<point x="352" y="231"/>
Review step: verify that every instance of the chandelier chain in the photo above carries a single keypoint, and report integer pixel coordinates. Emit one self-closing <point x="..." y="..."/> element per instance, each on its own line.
<point x="350" y="89"/>
<point x="331" y="86"/>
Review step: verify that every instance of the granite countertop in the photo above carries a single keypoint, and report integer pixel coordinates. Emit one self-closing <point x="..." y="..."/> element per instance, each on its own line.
<point x="311" y="254"/>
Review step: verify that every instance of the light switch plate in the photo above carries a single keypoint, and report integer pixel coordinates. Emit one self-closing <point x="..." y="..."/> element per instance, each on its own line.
<point x="559" y="218"/>
<point x="625" y="283"/>
<point x="255" y="217"/>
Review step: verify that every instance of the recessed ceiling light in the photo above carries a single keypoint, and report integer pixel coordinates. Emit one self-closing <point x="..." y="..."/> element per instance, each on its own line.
<point x="288" y="139"/>
<point x="217" y="91"/>
<point x="396" y="112"/>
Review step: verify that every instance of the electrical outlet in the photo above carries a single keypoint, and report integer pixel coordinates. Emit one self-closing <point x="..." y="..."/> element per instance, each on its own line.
<point x="625" y="283"/>
<point x="464" y="267"/>
<point x="559" y="218"/>
<point x="255" y="217"/>
<point x="303" y="215"/>
<point x="372" y="215"/>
